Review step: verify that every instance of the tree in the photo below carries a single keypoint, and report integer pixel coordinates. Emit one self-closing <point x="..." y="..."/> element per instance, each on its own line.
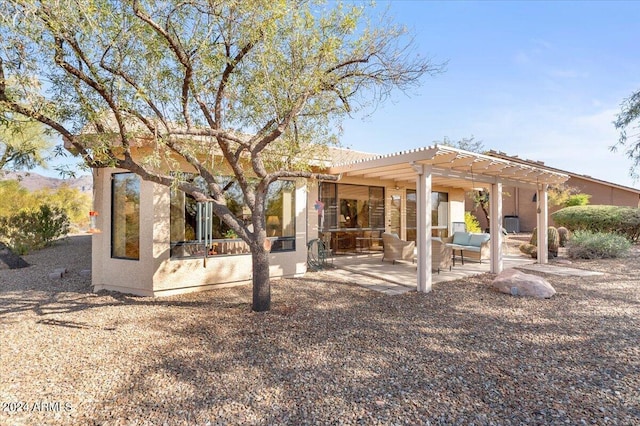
<point x="565" y="196"/>
<point x="252" y="82"/>
<point x="629" y="117"/>
<point x="23" y="143"/>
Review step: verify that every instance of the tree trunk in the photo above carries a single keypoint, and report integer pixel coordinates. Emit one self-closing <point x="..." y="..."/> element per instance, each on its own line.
<point x="261" y="284"/>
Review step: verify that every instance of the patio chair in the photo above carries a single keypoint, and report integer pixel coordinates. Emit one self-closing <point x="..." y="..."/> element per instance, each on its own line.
<point x="396" y="249"/>
<point x="441" y="255"/>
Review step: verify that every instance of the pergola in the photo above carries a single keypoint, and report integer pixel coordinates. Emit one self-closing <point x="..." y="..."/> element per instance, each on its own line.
<point x="452" y="167"/>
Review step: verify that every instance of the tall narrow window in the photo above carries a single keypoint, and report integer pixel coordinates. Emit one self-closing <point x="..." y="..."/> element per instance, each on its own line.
<point x="125" y="216"/>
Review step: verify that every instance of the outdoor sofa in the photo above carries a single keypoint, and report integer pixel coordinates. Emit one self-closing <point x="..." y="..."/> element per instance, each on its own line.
<point x="472" y="246"/>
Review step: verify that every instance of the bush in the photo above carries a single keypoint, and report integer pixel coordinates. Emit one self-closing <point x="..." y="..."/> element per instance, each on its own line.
<point x="596" y="245"/>
<point x="577" y="200"/>
<point x="33" y="229"/>
<point x="624" y="221"/>
<point x="471" y="223"/>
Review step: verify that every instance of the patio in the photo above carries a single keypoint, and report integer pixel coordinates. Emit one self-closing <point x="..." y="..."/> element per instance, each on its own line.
<point x="404" y="273"/>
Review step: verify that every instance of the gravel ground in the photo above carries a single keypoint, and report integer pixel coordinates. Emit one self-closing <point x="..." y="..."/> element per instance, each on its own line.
<point x="327" y="353"/>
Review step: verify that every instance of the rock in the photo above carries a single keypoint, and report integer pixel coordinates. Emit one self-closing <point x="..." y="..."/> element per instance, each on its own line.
<point x="10" y="260"/>
<point x="60" y="271"/>
<point x="55" y="275"/>
<point x="516" y="283"/>
<point x="85" y="272"/>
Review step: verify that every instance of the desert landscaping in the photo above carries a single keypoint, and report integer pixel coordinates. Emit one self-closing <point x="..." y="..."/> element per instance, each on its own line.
<point x="328" y="352"/>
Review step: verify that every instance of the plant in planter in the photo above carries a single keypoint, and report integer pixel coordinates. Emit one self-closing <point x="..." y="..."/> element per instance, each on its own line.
<point x="230" y="234"/>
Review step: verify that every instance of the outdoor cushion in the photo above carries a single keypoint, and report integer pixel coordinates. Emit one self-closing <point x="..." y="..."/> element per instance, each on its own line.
<point x="461" y="238"/>
<point x="477" y="239"/>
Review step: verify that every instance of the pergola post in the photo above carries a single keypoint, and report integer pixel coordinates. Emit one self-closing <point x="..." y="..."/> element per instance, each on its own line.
<point x="423" y="236"/>
<point x="495" y="203"/>
<point x="543" y="224"/>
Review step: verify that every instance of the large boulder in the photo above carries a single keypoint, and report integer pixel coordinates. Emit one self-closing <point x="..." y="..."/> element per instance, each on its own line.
<point x="10" y="260"/>
<point x="516" y="283"/>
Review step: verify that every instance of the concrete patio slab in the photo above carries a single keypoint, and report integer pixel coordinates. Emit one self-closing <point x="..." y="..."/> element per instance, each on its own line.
<point x="562" y="271"/>
<point x="404" y="273"/>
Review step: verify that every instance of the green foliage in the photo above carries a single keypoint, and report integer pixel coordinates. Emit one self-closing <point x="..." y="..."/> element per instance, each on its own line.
<point x="563" y="235"/>
<point x="24" y="143"/>
<point x="629" y="117"/>
<point x="565" y="196"/>
<point x="471" y="222"/>
<point x="75" y="204"/>
<point x="578" y="200"/>
<point x="596" y="245"/>
<point x="534" y="237"/>
<point x="29" y="230"/>
<point x="609" y="219"/>
<point x="230" y="233"/>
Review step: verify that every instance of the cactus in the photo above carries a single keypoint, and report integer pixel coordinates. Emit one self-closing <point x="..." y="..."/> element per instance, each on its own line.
<point x="563" y="234"/>
<point x="553" y="241"/>
<point x="529" y="249"/>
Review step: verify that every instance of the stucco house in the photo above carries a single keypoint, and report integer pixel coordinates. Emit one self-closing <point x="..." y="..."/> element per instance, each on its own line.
<point x="519" y="204"/>
<point x="156" y="241"/>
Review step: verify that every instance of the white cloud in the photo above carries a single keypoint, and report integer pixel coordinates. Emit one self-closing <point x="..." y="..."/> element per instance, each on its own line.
<point x="575" y="143"/>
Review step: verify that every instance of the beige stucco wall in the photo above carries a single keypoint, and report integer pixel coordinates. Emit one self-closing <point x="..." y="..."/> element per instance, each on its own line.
<point x="155" y="273"/>
<point x="123" y="275"/>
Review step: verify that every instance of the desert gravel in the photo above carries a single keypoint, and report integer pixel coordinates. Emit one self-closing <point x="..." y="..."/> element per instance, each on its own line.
<point x="328" y="352"/>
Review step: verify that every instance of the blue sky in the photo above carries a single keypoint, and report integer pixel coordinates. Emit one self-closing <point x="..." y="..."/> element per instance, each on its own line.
<point x="542" y="80"/>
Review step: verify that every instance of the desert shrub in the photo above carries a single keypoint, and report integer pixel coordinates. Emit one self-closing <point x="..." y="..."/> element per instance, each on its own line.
<point x="471" y="223"/>
<point x="32" y="229"/>
<point x="577" y="200"/>
<point x="596" y="245"/>
<point x="75" y="203"/>
<point x="608" y="219"/>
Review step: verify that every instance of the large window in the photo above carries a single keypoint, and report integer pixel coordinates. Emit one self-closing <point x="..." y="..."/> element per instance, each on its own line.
<point x="347" y="206"/>
<point x="196" y="231"/>
<point x="125" y="216"/>
<point x="351" y="217"/>
<point x="439" y="214"/>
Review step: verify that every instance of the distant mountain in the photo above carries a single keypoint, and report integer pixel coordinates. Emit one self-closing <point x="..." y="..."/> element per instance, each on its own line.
<point x="33" y="181"/>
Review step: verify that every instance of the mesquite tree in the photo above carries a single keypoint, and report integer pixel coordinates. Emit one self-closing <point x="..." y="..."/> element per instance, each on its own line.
<point x="253" y="82"/>
<point x="629" y="119"/>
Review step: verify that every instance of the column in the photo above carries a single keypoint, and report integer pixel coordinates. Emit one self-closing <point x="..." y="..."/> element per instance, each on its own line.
<point x="496" y="228"/>
<point x="423" y="235"/>
<point x="543" y="224"/>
